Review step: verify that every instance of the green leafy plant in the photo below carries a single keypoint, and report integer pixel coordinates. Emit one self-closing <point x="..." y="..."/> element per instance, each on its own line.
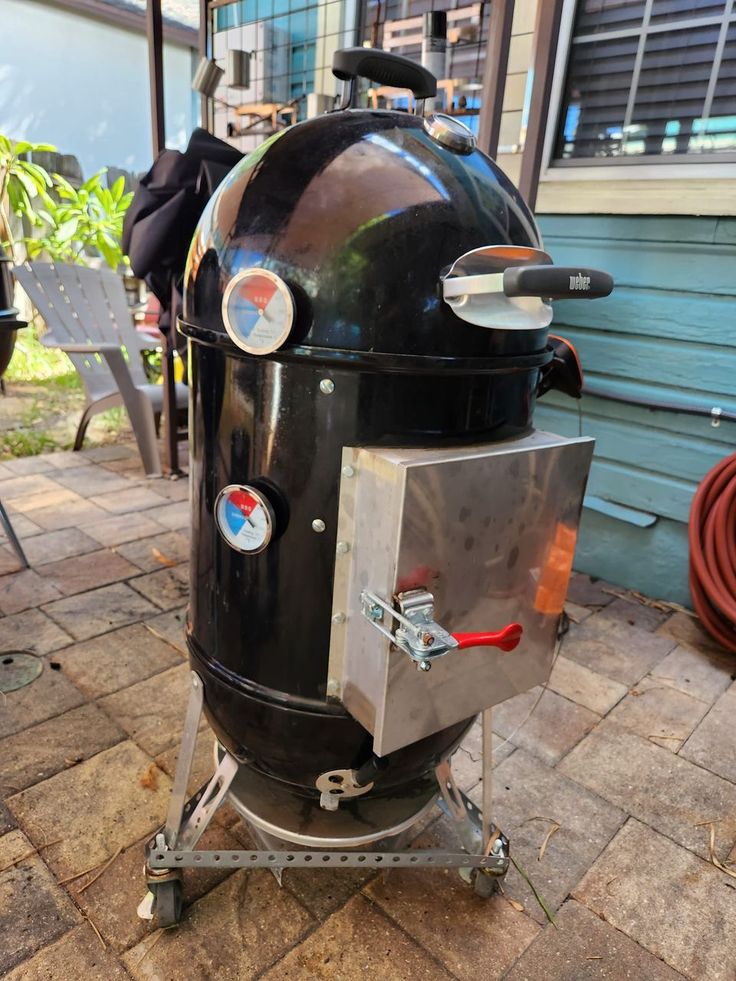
<point x="75" y="223"/>
<point x="22" y="183"/>
<point x="67" y="223"/>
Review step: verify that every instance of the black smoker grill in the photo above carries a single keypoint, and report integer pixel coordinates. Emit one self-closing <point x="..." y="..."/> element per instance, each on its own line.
<point x="381" y="540"/>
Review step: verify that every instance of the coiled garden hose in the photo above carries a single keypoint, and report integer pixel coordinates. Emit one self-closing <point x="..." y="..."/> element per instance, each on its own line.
<point x="712" y="538"/>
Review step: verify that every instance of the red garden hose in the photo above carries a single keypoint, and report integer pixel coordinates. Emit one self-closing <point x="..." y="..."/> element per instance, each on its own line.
<point x="712" y="537"/>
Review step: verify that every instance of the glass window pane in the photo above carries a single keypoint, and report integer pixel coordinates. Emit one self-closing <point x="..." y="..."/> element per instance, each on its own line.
<point x="674" y="77"/>
<point x="597" y="91"/>
<point x="720" y="130"/>
<point x="673" y="81"/>
<point x="248" y="11"/>
<point x="598" y="16"/>
<point x="298" y="27"/>
<point x="226" y="17"/>
<point x="674" y="10"/>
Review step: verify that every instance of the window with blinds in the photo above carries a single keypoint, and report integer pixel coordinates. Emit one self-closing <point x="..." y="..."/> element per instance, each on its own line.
<point x="649" y="79"/>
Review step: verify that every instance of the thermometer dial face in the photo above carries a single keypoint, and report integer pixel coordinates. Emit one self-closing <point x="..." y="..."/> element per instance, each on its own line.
<point x="258" y="311"/>
<point x="244" y="518"/>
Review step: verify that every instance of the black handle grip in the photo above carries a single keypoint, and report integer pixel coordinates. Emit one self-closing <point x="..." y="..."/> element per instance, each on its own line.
<point x="384" y="68"/>
<point x="556" y="282"/>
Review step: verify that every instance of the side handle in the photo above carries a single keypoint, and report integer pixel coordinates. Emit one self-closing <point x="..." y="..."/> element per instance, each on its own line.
<point x="556" y="282"/>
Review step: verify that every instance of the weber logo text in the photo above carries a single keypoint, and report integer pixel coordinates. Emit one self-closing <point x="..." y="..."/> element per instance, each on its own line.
<point x="580" y="282"/>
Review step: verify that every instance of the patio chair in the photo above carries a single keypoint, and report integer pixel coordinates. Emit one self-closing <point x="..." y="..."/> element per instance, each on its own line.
<point x="87" y="316"/>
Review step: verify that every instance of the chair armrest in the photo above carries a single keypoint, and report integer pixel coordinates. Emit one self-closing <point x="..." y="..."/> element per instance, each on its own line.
<point x="150" y="340"/>
<point x="116" y="362"/>
<point x="99" y="348"/>
<point x="113" y="354"/>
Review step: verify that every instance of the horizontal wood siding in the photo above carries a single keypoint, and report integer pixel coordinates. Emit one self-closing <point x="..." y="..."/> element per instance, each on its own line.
<point x="668" y="333"/>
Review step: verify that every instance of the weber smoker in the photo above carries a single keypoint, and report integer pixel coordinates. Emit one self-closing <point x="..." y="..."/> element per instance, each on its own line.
<point x="381" y="540"/>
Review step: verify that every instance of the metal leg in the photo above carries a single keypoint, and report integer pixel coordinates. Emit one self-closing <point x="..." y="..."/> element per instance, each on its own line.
<point x="140" y="413"/>
<point x="82" y="428"/>
<point x="195" y="825"/>
<point x="12" y="537"/>
<point x="487" y="826"/>
<point x="171" y="443"/>
<point x="268" y="843"/>
<point x="494" y="842"/>
<point x="458" y="807"/>
<point x="476" y="830"/>
<point x="399" y="844"/>
<point x="171" y="438"/>
<point x="184" y="763"/>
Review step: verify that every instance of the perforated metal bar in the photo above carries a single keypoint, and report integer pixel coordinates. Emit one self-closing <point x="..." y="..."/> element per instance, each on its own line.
<point x="318" y="859"/>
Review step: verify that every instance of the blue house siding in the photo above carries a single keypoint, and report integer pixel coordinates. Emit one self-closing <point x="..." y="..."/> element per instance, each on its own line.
<point x="668" y="333"/>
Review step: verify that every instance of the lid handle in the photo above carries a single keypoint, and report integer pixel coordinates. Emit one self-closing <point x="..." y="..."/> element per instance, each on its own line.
<point x="556" y="282"/>
<point x="385" y="69"/>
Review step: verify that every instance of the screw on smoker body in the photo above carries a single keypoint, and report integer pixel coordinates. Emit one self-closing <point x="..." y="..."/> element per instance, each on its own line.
<point x="318" y="525"/>
<point x="338" y="618"/>
<point x="342" y="547"/>
<point x="375" y="612"/>
<point x="348" y="472"/>
<point x="327" y="386"/>
<point x="424" y="665"/>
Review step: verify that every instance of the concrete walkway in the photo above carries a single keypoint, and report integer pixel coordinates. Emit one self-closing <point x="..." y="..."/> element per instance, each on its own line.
<point x="618" y="793"/>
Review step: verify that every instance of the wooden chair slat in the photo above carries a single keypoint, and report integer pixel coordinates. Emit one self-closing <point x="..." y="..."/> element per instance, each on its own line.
<point x="78" y="293"/>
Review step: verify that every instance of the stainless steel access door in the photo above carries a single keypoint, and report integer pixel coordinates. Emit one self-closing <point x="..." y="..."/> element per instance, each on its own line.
<point x="490" y="532"/>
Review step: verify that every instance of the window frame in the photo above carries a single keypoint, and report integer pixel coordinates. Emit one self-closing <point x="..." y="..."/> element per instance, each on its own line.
<point x="664" y="166"/>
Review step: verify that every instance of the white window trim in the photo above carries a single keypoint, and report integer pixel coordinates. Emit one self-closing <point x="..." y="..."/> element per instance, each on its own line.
<point x="667" y="170"/>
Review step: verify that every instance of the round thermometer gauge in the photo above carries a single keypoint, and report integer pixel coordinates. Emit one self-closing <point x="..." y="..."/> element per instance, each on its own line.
<point x="258" y="311"/>
<point x="244" y="518"/>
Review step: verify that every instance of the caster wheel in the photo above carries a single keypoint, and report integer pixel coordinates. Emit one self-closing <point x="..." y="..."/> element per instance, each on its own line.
<point x="167" y="902"/>
<point x="484" y="885"/>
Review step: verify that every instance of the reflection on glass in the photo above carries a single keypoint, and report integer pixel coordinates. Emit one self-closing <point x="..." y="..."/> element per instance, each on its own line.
<point x="673" y="10"/>
<point x="598" y="16"/>
<point x="684" y="98"/>
<point x="670" y="97"/>
<point x="598" y="86"/>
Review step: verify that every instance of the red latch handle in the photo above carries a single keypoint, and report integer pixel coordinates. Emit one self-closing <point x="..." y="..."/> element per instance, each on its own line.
<point x="507" y="639"/>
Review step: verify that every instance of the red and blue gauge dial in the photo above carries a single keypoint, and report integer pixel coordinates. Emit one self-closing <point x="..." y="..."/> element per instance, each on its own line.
<point x="244" y="518"/>
<point x="258" y="311"/>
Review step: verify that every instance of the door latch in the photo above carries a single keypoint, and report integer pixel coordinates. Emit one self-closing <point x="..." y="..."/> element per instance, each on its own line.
<point x="419" y="635"/>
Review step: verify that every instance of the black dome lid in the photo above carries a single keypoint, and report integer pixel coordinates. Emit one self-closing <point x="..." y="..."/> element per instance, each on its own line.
<point x="359" y="212"/>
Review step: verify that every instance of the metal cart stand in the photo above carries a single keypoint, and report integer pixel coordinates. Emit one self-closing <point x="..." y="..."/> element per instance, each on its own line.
<point x="483" y="862"/>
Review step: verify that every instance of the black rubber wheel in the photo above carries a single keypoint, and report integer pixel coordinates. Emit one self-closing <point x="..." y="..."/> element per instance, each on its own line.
<point x="168" y="903"/>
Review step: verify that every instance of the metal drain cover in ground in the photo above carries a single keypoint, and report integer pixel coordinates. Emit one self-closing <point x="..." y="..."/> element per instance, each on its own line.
<point x="17" y="669"/>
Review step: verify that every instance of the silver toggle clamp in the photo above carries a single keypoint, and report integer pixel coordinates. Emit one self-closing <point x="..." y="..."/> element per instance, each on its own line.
<point x="416" y="632"/>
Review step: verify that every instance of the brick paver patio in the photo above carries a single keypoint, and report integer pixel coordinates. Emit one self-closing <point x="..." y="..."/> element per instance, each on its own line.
<point x="628" y="759"/>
